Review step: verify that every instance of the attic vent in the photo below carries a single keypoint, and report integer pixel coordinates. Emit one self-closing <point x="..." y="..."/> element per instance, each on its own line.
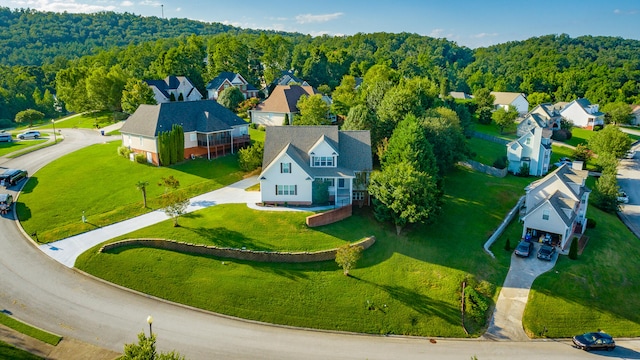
<point x="206" y="114"/>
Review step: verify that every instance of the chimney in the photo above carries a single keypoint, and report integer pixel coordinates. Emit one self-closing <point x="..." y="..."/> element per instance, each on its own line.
<point x="577" y="165"/>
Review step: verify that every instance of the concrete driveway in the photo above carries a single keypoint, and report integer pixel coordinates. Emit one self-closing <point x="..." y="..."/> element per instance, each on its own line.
<point x="506" y="321"/>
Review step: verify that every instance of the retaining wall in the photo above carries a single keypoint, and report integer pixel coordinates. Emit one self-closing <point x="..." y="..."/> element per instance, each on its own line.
<point x="329" y="217"/>
<point x="239" y="254"/>
<point x="484" y="168"/>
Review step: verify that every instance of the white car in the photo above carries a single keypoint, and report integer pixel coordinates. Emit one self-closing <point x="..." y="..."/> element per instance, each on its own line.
<point x="31" y="134"/>
<point x="631" y="154"/>
<point x="623" y="197"/>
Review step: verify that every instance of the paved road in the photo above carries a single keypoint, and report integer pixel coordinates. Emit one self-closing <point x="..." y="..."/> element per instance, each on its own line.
<point x="629" y="181"/>
<point x="45" y="293"/>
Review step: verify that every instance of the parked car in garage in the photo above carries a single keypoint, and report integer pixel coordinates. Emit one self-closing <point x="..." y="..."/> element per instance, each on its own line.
<point x="546" y="252"/>
<point x="524" y="248"/>
<point x="31" y="134"/>
<point x="594" y="341"/>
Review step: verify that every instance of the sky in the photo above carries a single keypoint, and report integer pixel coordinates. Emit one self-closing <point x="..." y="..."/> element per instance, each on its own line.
<point x="471" y="23"/>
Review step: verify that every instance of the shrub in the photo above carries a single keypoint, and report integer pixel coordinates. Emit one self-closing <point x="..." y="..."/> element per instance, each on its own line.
<point x="476" y="305"/>
<point x="591" y="223"/>
<point x="6" y="123"/>
<point x="507" y="245"/>
<point x="124" y="151"/>
<point x="262" y="128"/>
<point x="250" y="158"/>
<point x="524" y="170"/>
<point x="253" y="125"/>
<point x="561" y="135"/>
<point x="141" y="158"/>
<point x="500" y="163"/>
<point x="573" y="250"/>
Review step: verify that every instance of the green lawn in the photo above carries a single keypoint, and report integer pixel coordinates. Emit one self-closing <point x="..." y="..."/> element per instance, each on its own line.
<point x="403" y="285"/>
<point x="9" y="352"/>
<point x="103" y="185"/>
<point x="257" y="135"/>
<point x="86" y="121"/>
<point x="486" y="151"/>
<point x="9" y="147"/>
<point x="493" y="130"/>
<point x="29" y="330"/>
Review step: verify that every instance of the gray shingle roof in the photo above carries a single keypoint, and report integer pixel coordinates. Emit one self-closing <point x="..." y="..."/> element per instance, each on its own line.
<point x="225" y="75"/>
<point x="354" y="148"/>
<point x="202" y="116"/>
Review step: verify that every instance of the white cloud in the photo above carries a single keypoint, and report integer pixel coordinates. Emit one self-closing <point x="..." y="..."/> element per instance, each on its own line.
<point x="149" y="3"/>
<point x="484" y="35"/>
<point x="178" y="9"/>
<point x="625" y="12"/>
<point x="126" y="3"/>
<point x="437" y="33"/>
<point x="310" y="18"/>
<point x="69" y="6"/>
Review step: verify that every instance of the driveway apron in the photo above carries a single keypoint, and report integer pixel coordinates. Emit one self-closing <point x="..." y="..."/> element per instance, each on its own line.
<point x="506" y="321"/>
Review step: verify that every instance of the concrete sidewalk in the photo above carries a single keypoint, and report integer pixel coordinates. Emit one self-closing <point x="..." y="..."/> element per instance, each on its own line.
<point x="66" y="251"/>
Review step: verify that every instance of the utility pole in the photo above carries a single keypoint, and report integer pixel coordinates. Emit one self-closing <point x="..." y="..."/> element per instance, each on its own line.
<point x="162" y="8"/>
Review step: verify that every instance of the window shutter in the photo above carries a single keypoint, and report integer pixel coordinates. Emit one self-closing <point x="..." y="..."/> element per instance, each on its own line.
<point x="276" y="189"/>
<point x="280" y="168"/>
<point x="295" y="189"/>
<point x="290" y="168"/>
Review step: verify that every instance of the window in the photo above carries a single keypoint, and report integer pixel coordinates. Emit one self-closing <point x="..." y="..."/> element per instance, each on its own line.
<point x="528" y="142"/>
<point x="341" y="183"/>
<point x="286" y="189"/>
<point x="331" y="181"/>
<point x="323" y="161"/>
<point x="545" y="214"/>
<point x="358" y="195"/>
<point x="193" y="137"/>
<point x="285" y="168"/>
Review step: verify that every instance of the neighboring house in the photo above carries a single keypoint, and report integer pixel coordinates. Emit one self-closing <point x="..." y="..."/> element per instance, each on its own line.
<point x="209" y="128"/>
<point x="557" y="205"/>
<point x="295" y="156"/>
<point x="583" y="114"/>
<point x="635" y="115"/>
<point x="176" y="86"/>
<point x="460" y="95"/>
<point x="545" y="116"/>
<point x="533" y="149"/>
<point x="281" y="102"/>
<point x="227" y="79"/>
<point x="506" y="99"/>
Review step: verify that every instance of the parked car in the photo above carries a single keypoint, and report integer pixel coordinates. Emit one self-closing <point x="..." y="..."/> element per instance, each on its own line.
<point x="11" y="177"/>
<point x="562" y="161"/>
<point x="6" y="137"/>
<point x="546" y="252"/>
<point x="6" y="200"/>
<point x="31" y="134"/>
<point x="631" y="154"/>
<point x="524" y="248"/>
<point x="594" y="341"/>
<point x="623" y="197"/>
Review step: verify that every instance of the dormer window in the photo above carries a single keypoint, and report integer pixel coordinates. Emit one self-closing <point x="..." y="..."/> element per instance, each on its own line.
<point x="323" y="161"/>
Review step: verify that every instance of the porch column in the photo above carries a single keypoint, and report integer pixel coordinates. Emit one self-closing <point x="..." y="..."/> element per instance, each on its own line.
<point x="208" y="149"/>
<point x="350" y="190"/>
<point x="231" y="133"/>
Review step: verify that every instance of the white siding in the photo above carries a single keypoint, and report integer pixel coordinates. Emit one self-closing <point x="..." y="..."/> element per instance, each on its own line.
<point x="553" y="225"/>
<point x="268" y="119"/>
<point x="140" y="143"/>
<point x="521" y="104"/>
<point x="272" y="177"/>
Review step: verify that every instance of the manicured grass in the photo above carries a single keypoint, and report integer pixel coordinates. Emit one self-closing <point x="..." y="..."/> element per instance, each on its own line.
<point x="403" y="285"/>
<point x="103" y="185"/>
<point x="85" y="121"/>
<point x="486" y="152"/>
<point x="9" y="352"/>
<point x="597" y="291"/>
<point x="493" y="130"/>
<point x="29" y="330"/>
<point x="257" y="135"/>
<point x="580" y="136"/>
<point x="9" y="147"/>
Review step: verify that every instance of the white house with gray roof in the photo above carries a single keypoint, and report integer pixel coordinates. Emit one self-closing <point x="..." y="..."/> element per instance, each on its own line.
<point x="295" y="156"/>
<point x="557" y="205"/>
<point x="210" y="129"/>
<point x="582" y="113"/>
<point x="533" y="149"/>
<point x="506" y="99"/>
<point x="175" y="87"/>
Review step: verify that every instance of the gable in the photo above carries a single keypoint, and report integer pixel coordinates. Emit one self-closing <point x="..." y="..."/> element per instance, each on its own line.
<point x="323" y="148"/>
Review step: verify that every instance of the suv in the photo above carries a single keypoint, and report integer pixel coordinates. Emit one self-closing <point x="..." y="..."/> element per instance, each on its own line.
<point x="5" y="137"/>
<point x="11" y="177"/>
<point x="31" y="134"/>
<point x="6" y="200"/>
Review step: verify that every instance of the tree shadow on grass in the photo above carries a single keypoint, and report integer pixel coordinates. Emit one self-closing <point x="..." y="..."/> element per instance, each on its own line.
<point x="223" y="237"/>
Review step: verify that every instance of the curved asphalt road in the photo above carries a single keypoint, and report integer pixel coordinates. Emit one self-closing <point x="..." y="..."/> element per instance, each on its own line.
<point x="47" y="294"/>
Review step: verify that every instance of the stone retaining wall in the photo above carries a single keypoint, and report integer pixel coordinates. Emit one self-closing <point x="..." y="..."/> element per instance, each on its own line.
<point x="239" y="254"/>
<point x="330" y="216"/>
<point x="484" y="168"/>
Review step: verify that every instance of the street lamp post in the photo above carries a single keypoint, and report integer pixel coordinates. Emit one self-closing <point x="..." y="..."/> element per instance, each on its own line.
<point x="150" y="321"/>
<point x="53" y="123"/>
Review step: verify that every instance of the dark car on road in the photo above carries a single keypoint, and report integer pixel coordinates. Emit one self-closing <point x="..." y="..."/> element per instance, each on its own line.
<point x="524" y="249"/>
<point x="594" y="341"/>
<point x="546" y="252"/>
<point x="11" y="177"/>
<point x="6" y="200"/>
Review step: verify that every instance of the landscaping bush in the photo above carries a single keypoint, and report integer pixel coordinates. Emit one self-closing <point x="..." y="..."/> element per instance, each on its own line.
<point x="500" y="163"/>
<point x="250" y="158"/>
<point x="561" y="135"/>
<point x="253" y="125"/>
<point x="6" y="123"/>
<point x="476" y="305"/>
<point x="124" y="151"/>
<point x="320" y="192"/>
<point x="573" y="250"/>
<point x="141" y="158"/>
<point x="507" y="245"/>
<point x="591" y="223"/>
<point x="524" y="170"/>
<point x="262" y="128"/>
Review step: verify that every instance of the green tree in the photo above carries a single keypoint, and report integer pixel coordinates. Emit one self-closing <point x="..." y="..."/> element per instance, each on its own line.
<point x="135" y="93"/>
<point x="174" y="202"/>
<point x="484" y="98"/>
<point x="29" y="116"/>
<point x="313" y="111"/>
<point x="344" y="96"/>
<point x="142" y="186"/>
<point x="403" y="195"/>
<point x="231" y="98"/>
<point x="347" y="256"/>
<point x="250" y="158"/>
<point x="145" y="349"/>
<point x="617" y="113"/>
<point x="285" y="121"/>
<point x="443" y="131"/>
<point x="484" y="115"/>
<point x="606" y="193"/>
<point x="104" y="88"/>
<point x="610" y="140"/>
<point x="582" y="153"/>
<point x="505" y="118"/>
<point x="537" y="98"/>
<point x="409" y="144"/>
<point x="71" y="88"/>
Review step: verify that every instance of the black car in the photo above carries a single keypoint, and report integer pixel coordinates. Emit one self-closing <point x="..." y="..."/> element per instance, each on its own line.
<point x="11" y="177"/>
<point x="546" y="252"/>
<point x="524" y="248"/>
<point x="594" y="341"/>
<point x="5" y="203"/>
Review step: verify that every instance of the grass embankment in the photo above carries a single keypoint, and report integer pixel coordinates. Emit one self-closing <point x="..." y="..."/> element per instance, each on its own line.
<point x="402" y="285"/>
<point x="103" y="185"/>
<point x="29" y="330"/>
<point x="23" y="145"/>
<point x="9" y="352"/>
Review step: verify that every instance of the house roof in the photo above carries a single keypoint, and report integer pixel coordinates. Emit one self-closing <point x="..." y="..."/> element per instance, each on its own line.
<point x="460" y="95"/>
<point x="284" y="98"/>
<point x="505" y="98"/>
<point x="567" y="175"/>
<point x="204" y="116"/>
<point x="584" y="104"/>
<point x="171" y="82"/>
<point x="561" y="204"/>
<point x="229" y="76"/>
<point x="354" y="147"/>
